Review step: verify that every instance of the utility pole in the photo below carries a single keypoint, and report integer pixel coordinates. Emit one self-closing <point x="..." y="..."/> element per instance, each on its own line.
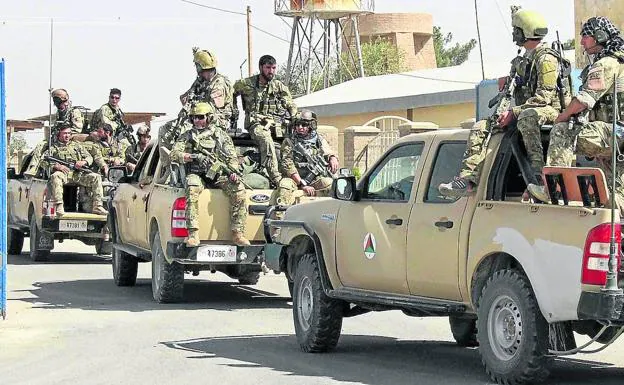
<point x="479" y="37"/>
<point x="249" y="69"/>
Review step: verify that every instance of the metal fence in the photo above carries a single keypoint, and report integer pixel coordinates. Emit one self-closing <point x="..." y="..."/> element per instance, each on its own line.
<point x="3" y="196"/>
<point x="389" y="127"/>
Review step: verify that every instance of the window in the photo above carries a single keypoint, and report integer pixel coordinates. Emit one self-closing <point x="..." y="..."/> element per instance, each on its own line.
<point x="447" y="165"/>
<point x="393" y="178"/>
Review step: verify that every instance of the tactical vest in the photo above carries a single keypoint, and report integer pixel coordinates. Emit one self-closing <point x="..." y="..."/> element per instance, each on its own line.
<point x="301" y="162"/>
<point x="199" y="145"/>
<point x="69" y="152"/>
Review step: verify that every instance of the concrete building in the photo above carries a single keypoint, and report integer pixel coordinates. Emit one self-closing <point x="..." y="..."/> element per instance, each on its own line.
<point x="584" y="9"/>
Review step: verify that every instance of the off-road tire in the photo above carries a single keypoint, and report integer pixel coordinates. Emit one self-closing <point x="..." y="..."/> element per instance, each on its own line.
<point x="464" y="331"/>
<point x="167" y="278"/>
<point x="291" y="287"/>
<point x="125" y="268"/>
<point x="512" y="333"/>
<point x="35" y="254"/>
<point x="250" y="278"/>
<point x="318" y="318"/>
<point x="15" y="241"/>
<point x="103" y="247"/>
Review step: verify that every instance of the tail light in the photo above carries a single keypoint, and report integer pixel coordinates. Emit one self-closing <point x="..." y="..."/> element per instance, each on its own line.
<point x="596" y="253"/>
<point x="47" y="206"/>
<point x="178" y="218"/>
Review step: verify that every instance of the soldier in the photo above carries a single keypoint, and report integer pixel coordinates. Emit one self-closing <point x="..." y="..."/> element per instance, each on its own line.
<point x="295" y="166"/>
<point x="110" y="113"/>
<point x="265" y="101"/>
<point x="133" y="153"/>
<point x="593" y="138"/>
<point x="112" y="150"/>
<point x="70" y="151"/>
<point x="66" y="114"/>
<point x="536" y="99"/>
<point x="211" y="87"/>
<point x="207" y="136"/>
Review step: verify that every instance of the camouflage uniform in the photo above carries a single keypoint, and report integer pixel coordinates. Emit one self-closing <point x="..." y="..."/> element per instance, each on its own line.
<point x="271" y="100"/>
<point x="210" y="139"/>
<point x="294" y="163"/>
<point x="107" y="114"/>
<point x="537" y="103"/>
<point x="133" y="153"/>
<point x="593" y="138"/>
<point x="73" y="152"/>
<point x="71" y="117"/>
<point x="219" y="93"/>
<point x="111" y="152"/>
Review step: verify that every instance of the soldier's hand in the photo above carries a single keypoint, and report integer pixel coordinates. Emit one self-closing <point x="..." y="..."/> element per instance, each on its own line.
<point x="117" y="162"/>
<point x="60" y="167"/>
<point x="505" y="119"/>
<point x="187" y="157"/>
<point x="309" y="191"/>
<point x="233" y="178"/>
<point x="81" y="163"/>
<point x="130" y="166"/>
<point x="333" y="164"/>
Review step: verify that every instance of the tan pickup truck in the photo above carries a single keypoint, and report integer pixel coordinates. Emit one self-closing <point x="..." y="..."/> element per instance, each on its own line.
<point x="147" y="221"/>
<point x="513" y="276"/>
<point x="31" y="214"/>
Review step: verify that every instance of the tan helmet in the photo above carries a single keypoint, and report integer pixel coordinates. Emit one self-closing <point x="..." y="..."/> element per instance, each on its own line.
<point x="204" y="60"/>
<point x="527" y="25"/>
<point x="202" y="108"/>
<point x="143" y="130"/>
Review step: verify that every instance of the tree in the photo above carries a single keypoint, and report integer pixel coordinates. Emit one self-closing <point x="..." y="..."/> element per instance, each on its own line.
<point x="17" y="144"/>
<point x="447" y="55"/>
<point x="568" y="44"/>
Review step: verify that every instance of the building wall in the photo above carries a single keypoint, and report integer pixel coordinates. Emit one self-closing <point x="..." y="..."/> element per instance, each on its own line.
<point x="585" y="9"/>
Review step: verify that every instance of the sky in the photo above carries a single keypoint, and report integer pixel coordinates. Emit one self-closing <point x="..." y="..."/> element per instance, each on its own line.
<point x="144" y="47"/>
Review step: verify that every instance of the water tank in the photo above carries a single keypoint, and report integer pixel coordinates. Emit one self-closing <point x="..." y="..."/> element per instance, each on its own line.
<point x="323" y="9"/>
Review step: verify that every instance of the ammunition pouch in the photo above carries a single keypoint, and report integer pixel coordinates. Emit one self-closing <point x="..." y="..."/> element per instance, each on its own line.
<point x="605" y="105"/>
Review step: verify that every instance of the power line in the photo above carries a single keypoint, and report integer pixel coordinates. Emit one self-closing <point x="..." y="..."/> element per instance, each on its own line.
<point x="214" y="8"/>
<point x="500" y="12"/>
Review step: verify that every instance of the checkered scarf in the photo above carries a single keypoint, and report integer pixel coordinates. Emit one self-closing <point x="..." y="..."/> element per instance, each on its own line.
<point x="614" y="46"/>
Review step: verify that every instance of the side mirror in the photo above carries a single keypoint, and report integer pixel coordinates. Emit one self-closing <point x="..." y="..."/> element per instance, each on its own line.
<point x="117" y="174"/>
<point x="344" y="188"/>
<point x="345" y="172"/>
<point x="11" y="174"/>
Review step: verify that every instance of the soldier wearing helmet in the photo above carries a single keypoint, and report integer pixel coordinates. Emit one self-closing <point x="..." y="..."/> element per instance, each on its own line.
<point x="133" y="153"/>
<point x="66" y="114"/>
<point x="307" y="161"/>
<point x="211" y="87"/>
<point x="267" y="103"/>
<point x="537" y="101"/>
<point x="190" y="150"/>
<point x="602" y="40"/>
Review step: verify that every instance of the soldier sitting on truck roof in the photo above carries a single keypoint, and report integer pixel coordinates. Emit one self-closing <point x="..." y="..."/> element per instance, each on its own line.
<point x="72" y="152"/>
<point x="191" y="149"/>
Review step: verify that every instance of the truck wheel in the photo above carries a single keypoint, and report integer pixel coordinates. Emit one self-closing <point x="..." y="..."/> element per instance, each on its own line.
<point x="35" y="235"/>
<point x="249" y="278"/>
<point x="124" y="268"/>
<point x="512" y="333"/>
<point x="15" y="240"/>
<point x="103" y="247"/>
<point x="464" y="331"/>
<point x="167" y="278"/>
<point x="318" y="318"/>
<point x="291" y="287"/>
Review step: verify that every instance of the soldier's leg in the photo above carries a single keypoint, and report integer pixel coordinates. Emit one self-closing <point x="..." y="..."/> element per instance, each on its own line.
<point x="194" y="187"/>
<point x="93" y="182"/>
<point x="529" y="124"/>
<point x="55" y="185"/>
<point x="322" y="186"/>
<point x="284" y="195"/>
<point x="262" y="136"/>
<point x="238" y="211"/>
<point x="471" y="164"/>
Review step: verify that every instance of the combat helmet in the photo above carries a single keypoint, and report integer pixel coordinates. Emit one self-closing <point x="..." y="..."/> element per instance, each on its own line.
<point x="527" y="25"/>
<point x="204" y="60"/>
<point x="306" y="117"/>
<point x="202" y="108"/>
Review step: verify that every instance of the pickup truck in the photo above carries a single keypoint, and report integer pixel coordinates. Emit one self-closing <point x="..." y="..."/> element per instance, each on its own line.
<point x="515" y="277"/>
<point x="147" y="222"/>
<point x="31" y="214"/>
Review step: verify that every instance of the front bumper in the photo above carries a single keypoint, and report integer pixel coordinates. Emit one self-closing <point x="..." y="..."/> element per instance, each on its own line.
<point x="245" y="255"/>
<point x="601" y="306"/>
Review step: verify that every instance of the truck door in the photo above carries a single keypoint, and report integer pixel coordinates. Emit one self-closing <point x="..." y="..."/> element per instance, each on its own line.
<point x="433" y="257"/>
<point x="371" y="241"/>
<point x="18" y="194"/>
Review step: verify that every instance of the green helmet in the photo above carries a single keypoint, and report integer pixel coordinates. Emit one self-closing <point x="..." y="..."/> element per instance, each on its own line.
<point x="204" y="60"/>
<point x="528" y="25"/>
<point x="202" y="108"/>
<point x="306" y="117"/>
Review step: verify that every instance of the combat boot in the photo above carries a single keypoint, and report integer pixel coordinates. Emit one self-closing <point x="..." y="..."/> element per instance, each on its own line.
<point x="539" y="192"/>
<point x="239" y="239"/>
<point x="193" y="238"/>
<point x="59" y="209"/>
<point x="100" y="210"/>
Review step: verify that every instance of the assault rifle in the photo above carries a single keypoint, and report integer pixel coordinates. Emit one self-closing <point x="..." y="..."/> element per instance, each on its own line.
<point x="217" y="162"/>
<point x="316" y="165"/>
<point x="71" y="165"/>
<point x="126" y="131"/>
<point x="501" y="102"/>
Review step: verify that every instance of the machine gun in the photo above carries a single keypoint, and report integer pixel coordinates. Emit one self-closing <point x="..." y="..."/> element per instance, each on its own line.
<point x="217" y="162"/>
<point x="316" y="165"/>
<point x="71" y="165"/>
<point x="501" y="102"/>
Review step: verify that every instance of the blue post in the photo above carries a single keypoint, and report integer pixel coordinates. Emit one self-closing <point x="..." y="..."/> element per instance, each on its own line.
<point x="3" y="196"/>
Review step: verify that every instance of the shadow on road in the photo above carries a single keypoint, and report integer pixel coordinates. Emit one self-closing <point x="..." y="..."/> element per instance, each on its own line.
<point x="60" y="259"/>
<point x="102" y="294"/>
<point x="378" y="360"/>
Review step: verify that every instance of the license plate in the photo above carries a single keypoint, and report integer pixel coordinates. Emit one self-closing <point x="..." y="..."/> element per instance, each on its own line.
<point x="74" y="225"/>
<point x="214" y="253"/>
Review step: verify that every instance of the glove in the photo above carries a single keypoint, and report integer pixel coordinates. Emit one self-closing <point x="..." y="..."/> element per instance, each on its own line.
<point x="203" y="161"/>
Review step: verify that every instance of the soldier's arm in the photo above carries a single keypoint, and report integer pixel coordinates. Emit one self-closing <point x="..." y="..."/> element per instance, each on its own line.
<point x="184" y="97"/>
<point x="229" y="151"/>
<point x="178" y="150"/>
<point x="326" y="149"/>
<point x="220" y="94"/>
<point x="77" y="120"/>
<point x="599" y="80"/>
<point x="546" y="91"/>
<point x="287" y="164"/>
<point x="84" y="154"/>
<point x="289" y="104"/>
<point x="108" y="116"/>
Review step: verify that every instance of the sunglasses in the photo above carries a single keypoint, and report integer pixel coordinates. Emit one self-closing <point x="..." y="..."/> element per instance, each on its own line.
<point x="115" y="97"/>
<point x="303" y="124"/>
<point x="198" y="117"/>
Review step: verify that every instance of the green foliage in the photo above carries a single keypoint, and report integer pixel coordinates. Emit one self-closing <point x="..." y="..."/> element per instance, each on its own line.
<point x="568" y="44"/>
<point x="17" y="144"/>
<point x="356" y="173"/>
<point x="447" y="54"/>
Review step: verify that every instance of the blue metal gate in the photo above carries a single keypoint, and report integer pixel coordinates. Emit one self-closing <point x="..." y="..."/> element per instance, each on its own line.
<point x="3" y="196"/>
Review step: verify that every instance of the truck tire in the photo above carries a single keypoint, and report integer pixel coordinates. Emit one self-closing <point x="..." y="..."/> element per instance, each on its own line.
<point x="250" y="278"/>
<point x="103" y="247"/>
<point x="35" y="254"/>
<point x="167" y="278"/>
<point x="15" y="242"/>
<point x="512" y="333"/>
<point x="464" y="331"/>
<point x="125" y="268"/>
<point x="318" y="318"/>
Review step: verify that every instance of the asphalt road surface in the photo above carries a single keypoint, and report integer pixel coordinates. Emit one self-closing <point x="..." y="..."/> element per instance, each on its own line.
<point x="69" y="324"/>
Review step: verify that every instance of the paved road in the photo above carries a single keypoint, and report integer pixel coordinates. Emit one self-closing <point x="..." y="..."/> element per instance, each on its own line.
<point x="69" y="324"/>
